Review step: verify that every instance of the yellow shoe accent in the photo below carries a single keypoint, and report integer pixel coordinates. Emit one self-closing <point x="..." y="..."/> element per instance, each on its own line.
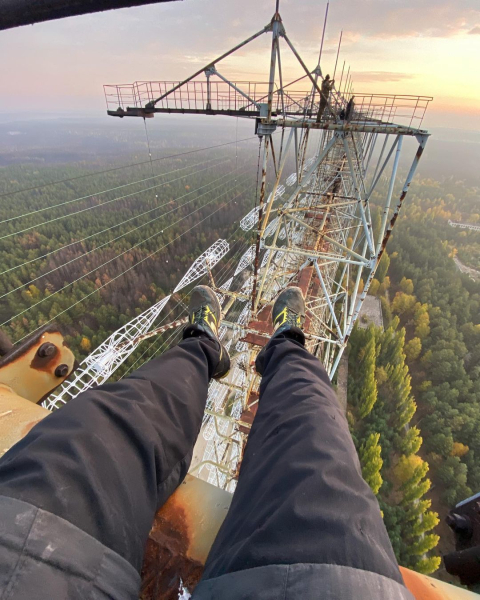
<point x="283" y="314"/>
<point x="211" y="324"/>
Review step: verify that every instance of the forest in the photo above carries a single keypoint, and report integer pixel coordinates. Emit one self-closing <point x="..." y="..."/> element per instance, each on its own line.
<point x="414" y="390"/>
<point x="92" y="251"/>
<point x="102" y="249"/>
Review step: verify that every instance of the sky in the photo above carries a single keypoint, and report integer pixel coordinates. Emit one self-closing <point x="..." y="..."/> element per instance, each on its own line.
<point x="424" y="47"/>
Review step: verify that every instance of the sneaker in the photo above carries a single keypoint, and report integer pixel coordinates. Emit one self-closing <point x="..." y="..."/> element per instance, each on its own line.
<point x="204" y="314"/>
<point x="288" y="316"/>
<point x="289" y="312"/>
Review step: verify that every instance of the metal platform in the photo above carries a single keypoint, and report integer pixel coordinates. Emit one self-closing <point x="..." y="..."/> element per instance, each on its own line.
<point x="290" y="107"/>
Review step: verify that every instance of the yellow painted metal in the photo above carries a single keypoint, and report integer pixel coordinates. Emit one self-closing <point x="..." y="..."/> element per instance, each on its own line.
<point x="427" y="588"/>
<point x="185" y="527"/>
<point x="17" y="417"/>
<point x="31" y="376"/>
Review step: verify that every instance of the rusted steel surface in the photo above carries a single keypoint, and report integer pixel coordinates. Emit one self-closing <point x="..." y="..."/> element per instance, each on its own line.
<point x="259" y="223"/>
<point x="181" y="537"/>
<point x="304" y="279"/>
<point x="249" y="413"/>
<point x="261" y="327"/>
<point x="355" y="128"/>
<point x="316" y="216"/>
<point x="255" y="339"/>
<point x="404" y="193"/>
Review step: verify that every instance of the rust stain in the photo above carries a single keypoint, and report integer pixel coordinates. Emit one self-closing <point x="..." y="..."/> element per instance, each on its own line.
<point x="248" y="415"/>
<point x="167" y="557"/>
<point x="44" y="363"/>
<point x="256" y="340"/>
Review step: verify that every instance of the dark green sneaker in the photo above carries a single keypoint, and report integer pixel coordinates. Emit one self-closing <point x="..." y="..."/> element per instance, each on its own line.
<point x="204" y="314"/>
<point x="288" y="311"/>
<point x="288" y="316"/>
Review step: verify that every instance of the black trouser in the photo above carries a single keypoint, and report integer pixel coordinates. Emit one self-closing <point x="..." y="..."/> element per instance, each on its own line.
<point x="110" y="458"/>
<point x="322" y="107"/>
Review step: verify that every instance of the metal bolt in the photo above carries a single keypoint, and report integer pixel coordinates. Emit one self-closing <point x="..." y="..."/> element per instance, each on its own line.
<point x="46" y="349"/>
<point x="61" y="370"/>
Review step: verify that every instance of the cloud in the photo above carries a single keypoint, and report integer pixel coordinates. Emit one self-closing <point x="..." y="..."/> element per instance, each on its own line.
<point x="408" y="18"/>
<point x="475" y="30"/>
<point x="383" y="76"/>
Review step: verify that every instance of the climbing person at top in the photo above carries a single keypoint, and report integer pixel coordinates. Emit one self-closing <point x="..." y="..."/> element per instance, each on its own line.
<point x="350" y="108"/>
<point x="79" y="492"/>
<point x="326" y="88"/>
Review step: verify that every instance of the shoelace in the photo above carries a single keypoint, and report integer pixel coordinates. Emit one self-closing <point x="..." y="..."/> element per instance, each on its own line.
<point x="200" y="315"/>
<point x="291" y="318"/>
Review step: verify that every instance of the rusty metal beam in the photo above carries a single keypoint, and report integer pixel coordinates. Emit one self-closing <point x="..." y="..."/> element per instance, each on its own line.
<point x="361" y="127"/>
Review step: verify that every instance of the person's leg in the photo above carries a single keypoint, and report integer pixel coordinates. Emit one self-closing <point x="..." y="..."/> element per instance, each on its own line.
<point x="111" y="457"/>
<point x="321" y="108"/>
<point x="300" y="496"/>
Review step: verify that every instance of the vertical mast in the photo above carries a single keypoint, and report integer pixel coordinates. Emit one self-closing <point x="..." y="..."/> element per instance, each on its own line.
<point x="276" y="24"/>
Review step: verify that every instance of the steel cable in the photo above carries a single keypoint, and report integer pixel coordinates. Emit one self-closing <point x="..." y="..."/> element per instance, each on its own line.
<point x="123" y="234"/>
<point x="36" y="226"/>
<point x="123" y="272"/>
<point x="113" y="169"/>
<point x="98" y="232"/>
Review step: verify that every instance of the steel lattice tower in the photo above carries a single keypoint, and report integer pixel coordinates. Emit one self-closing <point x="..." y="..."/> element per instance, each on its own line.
<point x="313" y="229"/>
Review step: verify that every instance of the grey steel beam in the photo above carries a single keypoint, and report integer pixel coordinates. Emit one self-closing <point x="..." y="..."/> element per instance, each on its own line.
<point x="16" y="13"/>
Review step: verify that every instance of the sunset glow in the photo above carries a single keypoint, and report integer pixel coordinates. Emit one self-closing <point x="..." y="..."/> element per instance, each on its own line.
<point x="423" y="47"/>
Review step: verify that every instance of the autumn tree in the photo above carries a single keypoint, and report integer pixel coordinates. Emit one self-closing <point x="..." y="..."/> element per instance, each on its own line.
<point x="412" y="349"/>
<point x="428" y="564"/>
<point x="370" y="454"/>
<point x="382" y="267"/>
<point x="421" y="320"/>
<point x="406" y="285"/>
<point x="403" y="303"/>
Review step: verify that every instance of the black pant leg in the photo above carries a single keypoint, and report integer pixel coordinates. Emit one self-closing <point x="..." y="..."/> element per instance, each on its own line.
<point x="112" y="456"/>
<point x="300" y="497"/>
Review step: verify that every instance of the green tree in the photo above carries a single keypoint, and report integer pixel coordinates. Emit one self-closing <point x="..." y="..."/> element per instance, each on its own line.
<point x="428" y="521"/>
<point x="369" y="393"/>
<point x="403" y="303"/>
<point x="424" y="544"/>
<point x="370" y="454"/>
<point x="405" y="467"/>
<point x="428" y="565"/>
<point x="384" y="286"/>
<point x="374" y="287"/>
<point x="411" y="442"/>
<point x="412" y="349"/>
<point x="421" y="320"/>
<point x="382" y="267"/>
<point x="417" y="485"/>
<point x="406" y="285"/>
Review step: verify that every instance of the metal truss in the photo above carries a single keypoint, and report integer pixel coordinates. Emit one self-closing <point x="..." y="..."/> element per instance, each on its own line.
<point x="98" y="367"/>
<point x="320" y="236"/>
<point x="246" y="260"/>
<point x="204" y="263"/>
<point x="464" y="225"/>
